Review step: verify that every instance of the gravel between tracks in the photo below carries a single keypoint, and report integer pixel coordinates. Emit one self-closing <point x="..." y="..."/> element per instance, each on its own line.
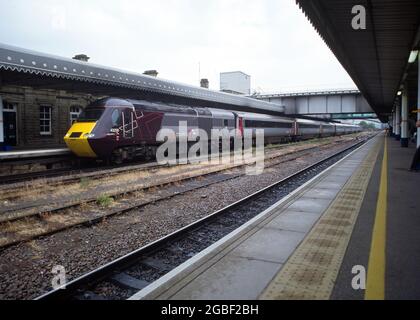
<point x="25" y="269"/>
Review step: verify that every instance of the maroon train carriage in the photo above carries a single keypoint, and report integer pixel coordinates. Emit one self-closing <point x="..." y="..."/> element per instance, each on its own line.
<point x="120" y="129"/>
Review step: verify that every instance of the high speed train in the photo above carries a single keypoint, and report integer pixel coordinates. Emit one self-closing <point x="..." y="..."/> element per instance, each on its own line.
<point x="122" y="129"/>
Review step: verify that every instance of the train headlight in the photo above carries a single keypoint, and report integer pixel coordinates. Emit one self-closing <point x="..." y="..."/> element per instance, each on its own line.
<point x="89" y="135"/>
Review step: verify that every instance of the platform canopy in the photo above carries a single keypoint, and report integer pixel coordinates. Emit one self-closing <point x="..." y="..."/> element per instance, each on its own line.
<point x="376" y="57"/>
<point x="39" y="70"/>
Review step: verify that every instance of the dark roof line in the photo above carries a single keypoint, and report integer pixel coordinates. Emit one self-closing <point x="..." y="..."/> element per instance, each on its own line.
<point x="27" y="61"/>
<point x="309" y="93"/>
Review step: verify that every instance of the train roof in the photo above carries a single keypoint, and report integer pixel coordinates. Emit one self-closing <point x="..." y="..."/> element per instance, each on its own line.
<point x="111" y="102"/>
<point x="30" y="67"/>
<point x="262" y="116"/>
<point x="162" y="106"/>
<point x="165" y="106"/>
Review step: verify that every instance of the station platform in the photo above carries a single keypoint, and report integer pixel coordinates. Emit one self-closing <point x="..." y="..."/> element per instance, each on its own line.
<point x="33" y="153"/>
<point x="349" y="233"/>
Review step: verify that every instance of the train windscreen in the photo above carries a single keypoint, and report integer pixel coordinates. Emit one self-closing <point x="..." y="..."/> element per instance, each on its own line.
<point x="90" y="114"/>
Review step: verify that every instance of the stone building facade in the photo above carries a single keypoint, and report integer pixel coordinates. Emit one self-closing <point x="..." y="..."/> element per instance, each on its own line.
<point x="38" y="118"/>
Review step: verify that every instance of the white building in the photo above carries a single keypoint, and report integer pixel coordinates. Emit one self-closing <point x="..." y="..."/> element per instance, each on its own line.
<point x="235" y="82"/>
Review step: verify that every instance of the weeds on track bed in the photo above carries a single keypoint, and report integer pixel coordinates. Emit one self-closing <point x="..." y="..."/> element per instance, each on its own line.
<point x="104" y="200"/>
<point x="84" y="182"/>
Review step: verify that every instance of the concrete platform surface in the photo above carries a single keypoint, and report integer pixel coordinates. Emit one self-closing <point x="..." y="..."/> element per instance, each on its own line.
<point x="279" y="241"/>
<point x="401" y="279"/>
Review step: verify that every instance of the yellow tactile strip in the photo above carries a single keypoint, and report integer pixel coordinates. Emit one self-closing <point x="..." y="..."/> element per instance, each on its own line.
<point x="311" y="271"/>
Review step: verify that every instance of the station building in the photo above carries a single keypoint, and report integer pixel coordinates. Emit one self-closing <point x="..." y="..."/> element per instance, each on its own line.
<point x="41" y="94"/>
<point x="38" y="117"/>
<point x="35" y="117"/>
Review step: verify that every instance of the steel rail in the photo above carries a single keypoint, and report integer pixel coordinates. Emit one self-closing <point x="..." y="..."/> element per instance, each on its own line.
<point x="72" y="288"/>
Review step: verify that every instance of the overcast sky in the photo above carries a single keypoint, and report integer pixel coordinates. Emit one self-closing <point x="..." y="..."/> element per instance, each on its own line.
<point x="271" y="40"/>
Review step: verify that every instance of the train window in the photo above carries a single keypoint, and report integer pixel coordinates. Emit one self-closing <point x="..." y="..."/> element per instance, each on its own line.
<point x="116" y="118"/>
<point x="266" y="124"/>
<point x="225" y="123"/>
<point x="90" y="114"/>
<point x="304" y="125"/>
<point x="128" y="123"/>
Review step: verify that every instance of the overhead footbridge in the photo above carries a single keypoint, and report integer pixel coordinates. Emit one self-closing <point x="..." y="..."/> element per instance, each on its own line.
<point x="326" y="104"/>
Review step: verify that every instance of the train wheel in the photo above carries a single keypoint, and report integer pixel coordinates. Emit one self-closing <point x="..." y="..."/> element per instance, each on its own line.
<point x="117" y="156"/>
<point x="150" y="153"/>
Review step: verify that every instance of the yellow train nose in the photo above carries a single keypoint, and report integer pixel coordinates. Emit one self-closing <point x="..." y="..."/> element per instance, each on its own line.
<point x="76" y="139"/>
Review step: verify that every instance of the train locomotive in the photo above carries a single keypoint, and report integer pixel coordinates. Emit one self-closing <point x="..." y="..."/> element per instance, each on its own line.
<point x="123" y="129"/>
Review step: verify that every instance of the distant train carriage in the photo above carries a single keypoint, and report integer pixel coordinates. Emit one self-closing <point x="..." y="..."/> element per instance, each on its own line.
<point x="307" y="129"/>
<point x="328" y="129"/>
<point x="276" y="129"/>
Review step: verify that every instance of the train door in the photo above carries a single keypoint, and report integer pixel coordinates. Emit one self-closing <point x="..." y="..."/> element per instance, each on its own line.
<point x="204" y="120"/>
<point x="10" y="124"/>
<point x="129" y="124"/>
<point x="239" y="124"/>
<point x="295" y="128"/>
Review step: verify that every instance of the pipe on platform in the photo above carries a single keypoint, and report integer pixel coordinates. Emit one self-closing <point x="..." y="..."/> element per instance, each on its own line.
<point x="404" y="119"/>
<point x="418" y="106"/>
<point x="397" y="122"/>
<point x="393" y="123"/>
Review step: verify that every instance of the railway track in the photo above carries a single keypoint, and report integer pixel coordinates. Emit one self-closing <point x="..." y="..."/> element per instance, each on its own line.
<point x="62" y="165"/>
<point x="68" y="175"/>
<point x="20" y="177"/>
<point x="60" y="176"/>
<point x="124" y="276"/>
<point x="44" y="225"/>
<point x="40" y="206"/>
